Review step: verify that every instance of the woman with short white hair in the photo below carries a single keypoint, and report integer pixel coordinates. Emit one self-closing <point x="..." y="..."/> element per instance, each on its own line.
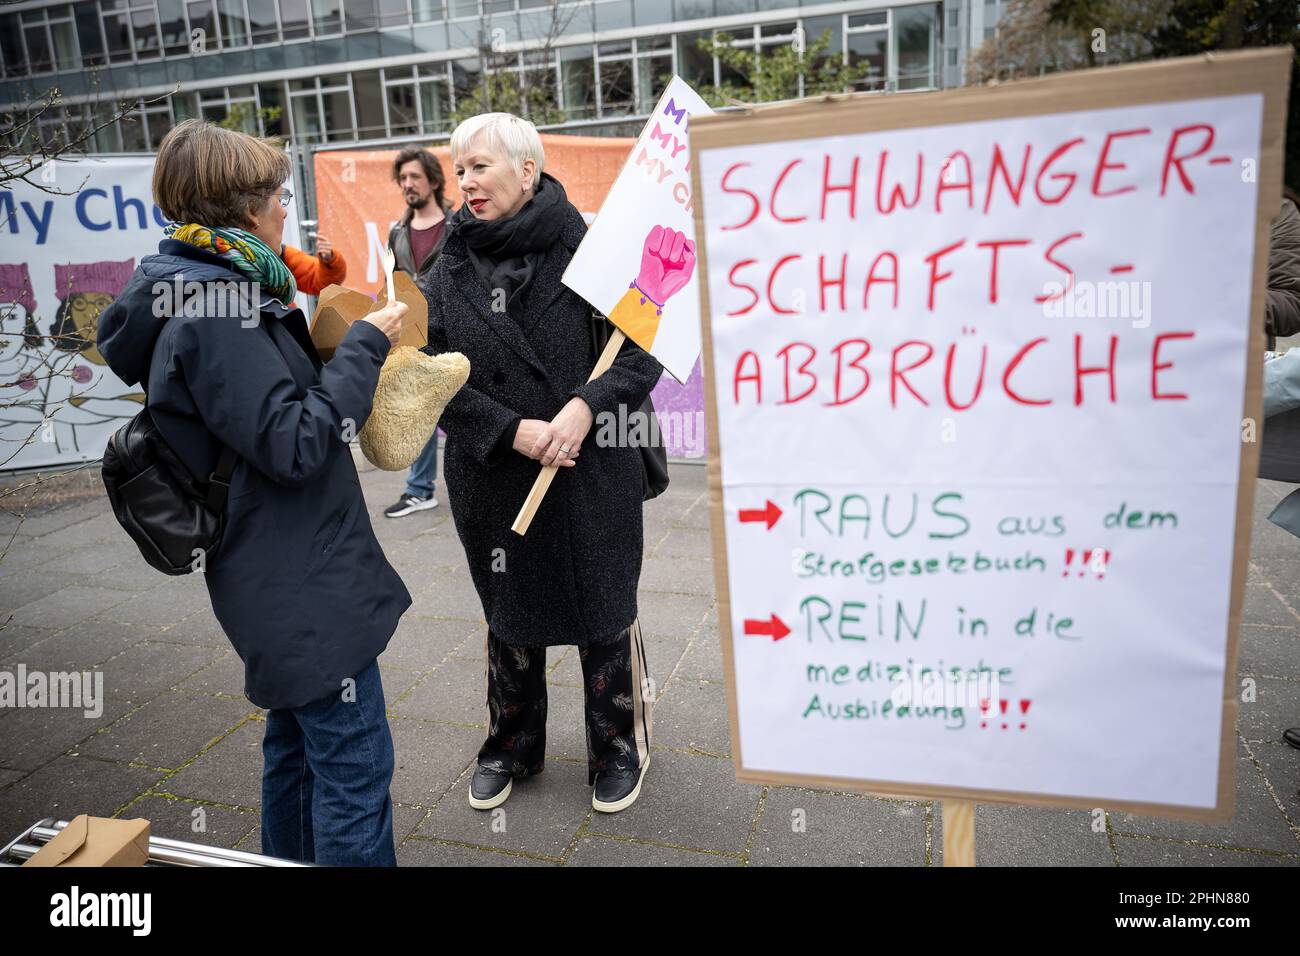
<point x="495" y="295"/>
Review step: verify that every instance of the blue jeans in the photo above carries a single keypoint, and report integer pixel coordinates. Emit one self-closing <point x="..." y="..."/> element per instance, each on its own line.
<point x="424" y="470"/>
<point x="325" y="777"/>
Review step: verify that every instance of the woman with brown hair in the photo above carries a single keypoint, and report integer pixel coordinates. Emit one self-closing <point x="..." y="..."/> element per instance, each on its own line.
<point x="299" y="582"/>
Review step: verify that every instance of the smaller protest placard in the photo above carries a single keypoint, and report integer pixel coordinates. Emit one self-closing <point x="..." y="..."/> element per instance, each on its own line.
<point x="640" y="251"/>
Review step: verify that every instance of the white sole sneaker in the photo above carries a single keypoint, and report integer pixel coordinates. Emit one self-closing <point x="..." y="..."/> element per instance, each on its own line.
<point x="492" y="803"/>
<point x="627" y="801"/>
<point x="428" y="505"/>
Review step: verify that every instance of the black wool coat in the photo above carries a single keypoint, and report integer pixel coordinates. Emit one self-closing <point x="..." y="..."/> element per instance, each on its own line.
<point x="572" y="579"/>
<point x="299" y="584"/>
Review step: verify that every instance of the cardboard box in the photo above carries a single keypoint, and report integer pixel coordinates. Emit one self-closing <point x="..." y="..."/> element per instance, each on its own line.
<point x="337" y="308"/>
<point x="96" y="841"/>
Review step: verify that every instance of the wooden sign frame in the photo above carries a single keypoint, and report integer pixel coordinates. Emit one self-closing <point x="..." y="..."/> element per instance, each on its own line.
<point x="1265" y="72"/>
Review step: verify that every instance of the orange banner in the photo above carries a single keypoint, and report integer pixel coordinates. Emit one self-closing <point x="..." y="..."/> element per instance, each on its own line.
<point x="357" y="200"/>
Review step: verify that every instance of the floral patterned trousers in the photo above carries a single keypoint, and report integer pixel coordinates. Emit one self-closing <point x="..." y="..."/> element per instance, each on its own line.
<point x="618" y="704"/>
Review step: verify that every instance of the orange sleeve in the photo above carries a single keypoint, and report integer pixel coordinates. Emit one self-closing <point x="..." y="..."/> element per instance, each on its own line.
<point x="310" y="273"/>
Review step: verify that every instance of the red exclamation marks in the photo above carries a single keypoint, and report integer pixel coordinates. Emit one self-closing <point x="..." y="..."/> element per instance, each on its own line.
<point x="1090" y="559"/>
<point x="1024" y="709"/>
<point x="1003" y="705"/>
<point x="1098" y="560"/>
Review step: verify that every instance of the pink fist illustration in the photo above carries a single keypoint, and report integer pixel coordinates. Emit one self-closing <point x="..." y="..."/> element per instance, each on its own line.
<point x="667" y="261"/>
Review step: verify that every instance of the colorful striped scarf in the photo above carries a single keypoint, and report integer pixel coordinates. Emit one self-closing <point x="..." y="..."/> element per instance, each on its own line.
<point x="247" y="255"/>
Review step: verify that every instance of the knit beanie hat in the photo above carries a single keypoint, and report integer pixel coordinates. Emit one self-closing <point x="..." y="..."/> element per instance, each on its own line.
<point x="108" y="278"/>
<point x="16" y="286"/>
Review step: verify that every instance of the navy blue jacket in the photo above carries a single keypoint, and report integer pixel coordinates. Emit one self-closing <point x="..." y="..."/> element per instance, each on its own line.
<point x="299" y="584"/>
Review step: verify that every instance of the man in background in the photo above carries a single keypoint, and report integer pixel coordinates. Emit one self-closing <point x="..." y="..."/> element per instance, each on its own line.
<point x="415" y="242"/>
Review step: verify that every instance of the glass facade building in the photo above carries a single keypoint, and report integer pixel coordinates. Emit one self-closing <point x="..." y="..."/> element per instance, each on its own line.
<point x="324" y="71"/>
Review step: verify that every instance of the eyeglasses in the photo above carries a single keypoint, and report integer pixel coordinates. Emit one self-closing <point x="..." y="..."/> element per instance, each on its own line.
<point x="285" y="198"/>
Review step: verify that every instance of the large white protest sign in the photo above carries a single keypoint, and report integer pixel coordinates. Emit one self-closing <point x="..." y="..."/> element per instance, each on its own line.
<point x="66" y="251"/>
<point x="619" y="267"/>
<point x="977" y="366"/>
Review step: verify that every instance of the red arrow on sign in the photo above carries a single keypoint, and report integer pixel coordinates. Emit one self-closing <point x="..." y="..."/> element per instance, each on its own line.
<point x="775" y="627"/>
<point x="770" y="514"/>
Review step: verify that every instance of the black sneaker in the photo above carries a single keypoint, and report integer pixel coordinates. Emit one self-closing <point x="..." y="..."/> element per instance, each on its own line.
<point x="617" y="789"/>
<point x="409" y="504"/>
<point x="489" y="788"/>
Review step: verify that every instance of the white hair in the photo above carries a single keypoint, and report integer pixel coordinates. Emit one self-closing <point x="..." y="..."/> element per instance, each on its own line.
<point x="501" y="134"/>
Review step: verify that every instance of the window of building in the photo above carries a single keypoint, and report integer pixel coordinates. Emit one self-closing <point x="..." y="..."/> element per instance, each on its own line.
<point x="814" y="28"/>
<point x="336" y="108"/>
<point x="617" y="84"/>
<point x="654" y="70"/>
<point x="295" y="19"/>
<point x="578" y="81"/>
<point x="239" y="102"/>
<point x="693" y="9"/>
<point x="263" y="25"/>
<point x="326" y="20"/>
<point x="63" y="37"/>
<point x="11" y="46"/>
<point x="175" y="31"/>
<point x="368" y="90"/>
<point x="466" y="78"/>
<point x="185" y="106"/>
<point x="40" y="58"/>
<point x="234" y="24"/>
<point x="322" y="108"/>
<point x="117" y="30"/>
<point x="435" y="99"/>
<point x="539" y="81"/>
<point x="423" y="11"/>
<point x="203" y="18"/>
<point x="307" y="126"/>
<point x="107" y="135"/>
<point x="52" y="129"/>
<point x="133" y="134"/>
<point x="158" y="123"/>
<point x="401" y="101"/>
<point x="916" y="42"/>
<point x="394" y="13"/>
<point x="866" y="38"/>
<point x="145" y="36"/>
<point x="51" y="39"/>
<point x="359" y="15"/>
<point x="90" y="36"/>
<point x="270" y="109"/>
<point x="694" y="65"/>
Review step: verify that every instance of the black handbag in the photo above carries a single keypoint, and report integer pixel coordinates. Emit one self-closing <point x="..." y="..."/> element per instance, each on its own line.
<point x="654" y="454"/>
<point x="175" y="519"/>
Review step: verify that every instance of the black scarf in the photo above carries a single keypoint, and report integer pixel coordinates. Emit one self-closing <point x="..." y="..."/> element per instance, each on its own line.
<point x="508" y="252"/>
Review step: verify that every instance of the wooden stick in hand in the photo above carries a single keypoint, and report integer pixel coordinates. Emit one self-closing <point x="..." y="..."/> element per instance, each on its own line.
<point x="543" y="482"/>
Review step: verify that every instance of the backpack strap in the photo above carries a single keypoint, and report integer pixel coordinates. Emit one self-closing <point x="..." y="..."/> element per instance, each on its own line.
<point x="219" y="480"/>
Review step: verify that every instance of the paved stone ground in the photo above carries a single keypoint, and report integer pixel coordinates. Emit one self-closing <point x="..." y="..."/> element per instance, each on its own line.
<point x="177" y="735"/>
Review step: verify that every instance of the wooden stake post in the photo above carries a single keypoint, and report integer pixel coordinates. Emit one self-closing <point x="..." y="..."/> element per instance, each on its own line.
<point x="543" y="482"/>
<point x="958" y="832"/>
